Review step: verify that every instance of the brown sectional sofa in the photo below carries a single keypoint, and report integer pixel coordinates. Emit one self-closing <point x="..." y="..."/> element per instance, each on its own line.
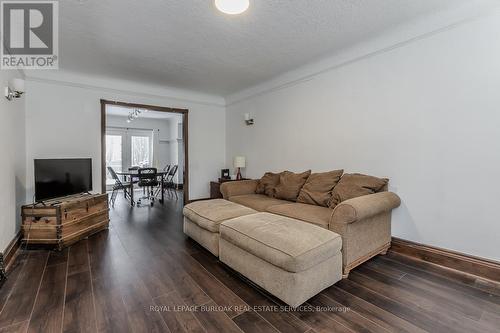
<point x="364" y="222"/>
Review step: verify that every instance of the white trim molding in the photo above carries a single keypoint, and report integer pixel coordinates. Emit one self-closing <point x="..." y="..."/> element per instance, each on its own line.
<point x="139" y="89"/>
<point x="411" y="32"/>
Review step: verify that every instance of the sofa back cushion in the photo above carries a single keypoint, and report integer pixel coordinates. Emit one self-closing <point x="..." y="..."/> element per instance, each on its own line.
<point x="290" y="184"/>
<point x="267" y="184"/>
<point x="318" y="188"/>
<point x="356" y="185"/>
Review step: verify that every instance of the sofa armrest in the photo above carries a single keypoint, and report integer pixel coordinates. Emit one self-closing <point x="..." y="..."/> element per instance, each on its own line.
<point x="230" y="189"/>
<point x="364" y="207"/>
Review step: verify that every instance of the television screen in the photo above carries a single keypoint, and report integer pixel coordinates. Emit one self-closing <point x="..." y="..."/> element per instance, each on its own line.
<point x="60" y="177"/>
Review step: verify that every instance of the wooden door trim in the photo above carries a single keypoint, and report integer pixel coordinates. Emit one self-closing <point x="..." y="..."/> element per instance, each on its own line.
<point x="185" y="137"/>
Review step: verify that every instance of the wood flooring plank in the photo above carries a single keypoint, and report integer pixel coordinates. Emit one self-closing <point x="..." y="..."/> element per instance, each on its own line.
<point x="425" y="297"/>
<point x="282" y="320"/>
<point x="379" y="265"/>
<point x="15" y="328"/>
<point x="432" y="274"/>
<point x="251" y="322"/>
<point x="176" y="314"/>
<point x="434" y="311"/>
<point x="48" y="311"/>
<point x="108" y="259"/>
<point x="129" y="286"/>
<point x="135" y="294"/>
<point x="321" y="323"/>
<point x="143" y="320"/>
<point x="408" y="313"/>
<point x="79" y="313"/>
<point x="217" y="291"/>
<point x="215" y="321"/>
<point x="491" y="318"/>
<point x="111" y="314"/>
<point x="121" y="279"/>
<point x="78" y="258"/>
<point x="189" y="290"/>
<point x="58" y="257"/>
<point x="464" y="298"/>
<point x="384" y="318"/>
<point x="22" y="299"/>
<point x="435" y="271"/>
<point x="345" y="316"/>
<point x="12" y="278"/>
<point x="156" y="280"/>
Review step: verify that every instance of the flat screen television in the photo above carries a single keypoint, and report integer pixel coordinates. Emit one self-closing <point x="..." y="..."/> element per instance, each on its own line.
<point x="56" y="178"/>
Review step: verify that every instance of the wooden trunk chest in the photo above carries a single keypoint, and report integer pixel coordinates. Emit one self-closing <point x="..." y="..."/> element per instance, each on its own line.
<point x="65" y="221"/>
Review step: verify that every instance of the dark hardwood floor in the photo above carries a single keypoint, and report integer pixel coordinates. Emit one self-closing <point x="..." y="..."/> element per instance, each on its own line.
<point x="144" y="275"/>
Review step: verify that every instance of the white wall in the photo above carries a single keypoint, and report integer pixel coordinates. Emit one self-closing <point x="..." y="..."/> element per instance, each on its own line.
<point x="12" y="162"/>
<point x="425" y="114"/>
<point x="176" y="148"/>
<point x="63" y="120"/>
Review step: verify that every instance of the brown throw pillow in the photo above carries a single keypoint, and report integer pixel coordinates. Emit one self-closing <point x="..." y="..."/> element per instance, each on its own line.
<point x="355" y="185"/>
<point x="267" y="184"/>
<point x="290" y="184"/>
<point x="318" y="188"/>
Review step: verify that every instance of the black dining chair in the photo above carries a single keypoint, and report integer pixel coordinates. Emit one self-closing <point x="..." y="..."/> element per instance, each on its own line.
<point x="148" y="180"/>
<point x="171" y="175"/>
<point x="170" y="186"/>
<point x="168" y="181"/>
<point x="134" y="168"/>
<point x="119" y="185"/>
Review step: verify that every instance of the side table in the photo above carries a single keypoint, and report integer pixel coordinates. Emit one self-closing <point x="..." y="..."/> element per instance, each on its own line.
<point x="215" y="192"/>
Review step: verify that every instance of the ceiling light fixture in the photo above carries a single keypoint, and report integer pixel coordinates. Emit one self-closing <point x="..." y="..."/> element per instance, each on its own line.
<point x="232" y="7"/>
<point x="134" y="114"/>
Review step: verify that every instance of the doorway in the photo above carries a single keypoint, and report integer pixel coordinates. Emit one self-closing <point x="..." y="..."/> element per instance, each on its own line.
<point x="139" y="135"/>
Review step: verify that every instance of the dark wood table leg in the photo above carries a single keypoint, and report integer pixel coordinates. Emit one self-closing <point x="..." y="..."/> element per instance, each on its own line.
<point x="124" y="180"/>
<point x="162" y="189"/>
<point x="132" y="203"/>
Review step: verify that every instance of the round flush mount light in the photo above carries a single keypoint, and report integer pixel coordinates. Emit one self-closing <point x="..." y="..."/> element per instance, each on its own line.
<point x="232" y="7"/>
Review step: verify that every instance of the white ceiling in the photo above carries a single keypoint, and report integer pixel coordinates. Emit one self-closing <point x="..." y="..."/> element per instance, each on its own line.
<point x="120" y="111"/>
<point x="189" y="44"/>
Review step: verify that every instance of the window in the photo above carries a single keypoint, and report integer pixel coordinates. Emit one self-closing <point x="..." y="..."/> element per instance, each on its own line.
<point x="127" y="148"/>
<point x="113" y="155"/>
<point x="141" y="151"/>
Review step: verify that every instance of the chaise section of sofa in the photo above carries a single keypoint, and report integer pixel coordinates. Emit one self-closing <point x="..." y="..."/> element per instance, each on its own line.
<point x="364" y="223"/>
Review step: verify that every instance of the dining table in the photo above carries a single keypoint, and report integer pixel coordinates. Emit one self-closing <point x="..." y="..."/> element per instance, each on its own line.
<point x="128" y="176"/>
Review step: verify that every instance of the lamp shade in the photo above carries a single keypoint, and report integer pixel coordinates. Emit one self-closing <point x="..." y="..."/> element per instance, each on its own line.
<point x="239" y="162"/>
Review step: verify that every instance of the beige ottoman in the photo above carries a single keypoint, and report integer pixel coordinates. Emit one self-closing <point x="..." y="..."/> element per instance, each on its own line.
<point x="203" y="218"/>
<point x="291" y="259"/>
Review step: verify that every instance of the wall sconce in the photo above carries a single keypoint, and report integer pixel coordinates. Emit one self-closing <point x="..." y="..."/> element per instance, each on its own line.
<point x="248" y="120"/>
<point x="15" y="89"/>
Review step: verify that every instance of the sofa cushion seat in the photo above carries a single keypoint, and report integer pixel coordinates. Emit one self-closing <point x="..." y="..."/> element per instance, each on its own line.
<point x="258" y="202"/>
<point x="289" y="244"/>
<point x="309" y="213"/>
<point x="209" y="214"/>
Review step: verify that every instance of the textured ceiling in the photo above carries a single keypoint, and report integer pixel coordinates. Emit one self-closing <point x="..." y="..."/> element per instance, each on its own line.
<point x="189" y="44"/>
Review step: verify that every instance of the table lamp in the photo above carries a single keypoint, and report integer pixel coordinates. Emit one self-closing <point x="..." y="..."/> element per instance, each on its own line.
<point x="239" y="162"/>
